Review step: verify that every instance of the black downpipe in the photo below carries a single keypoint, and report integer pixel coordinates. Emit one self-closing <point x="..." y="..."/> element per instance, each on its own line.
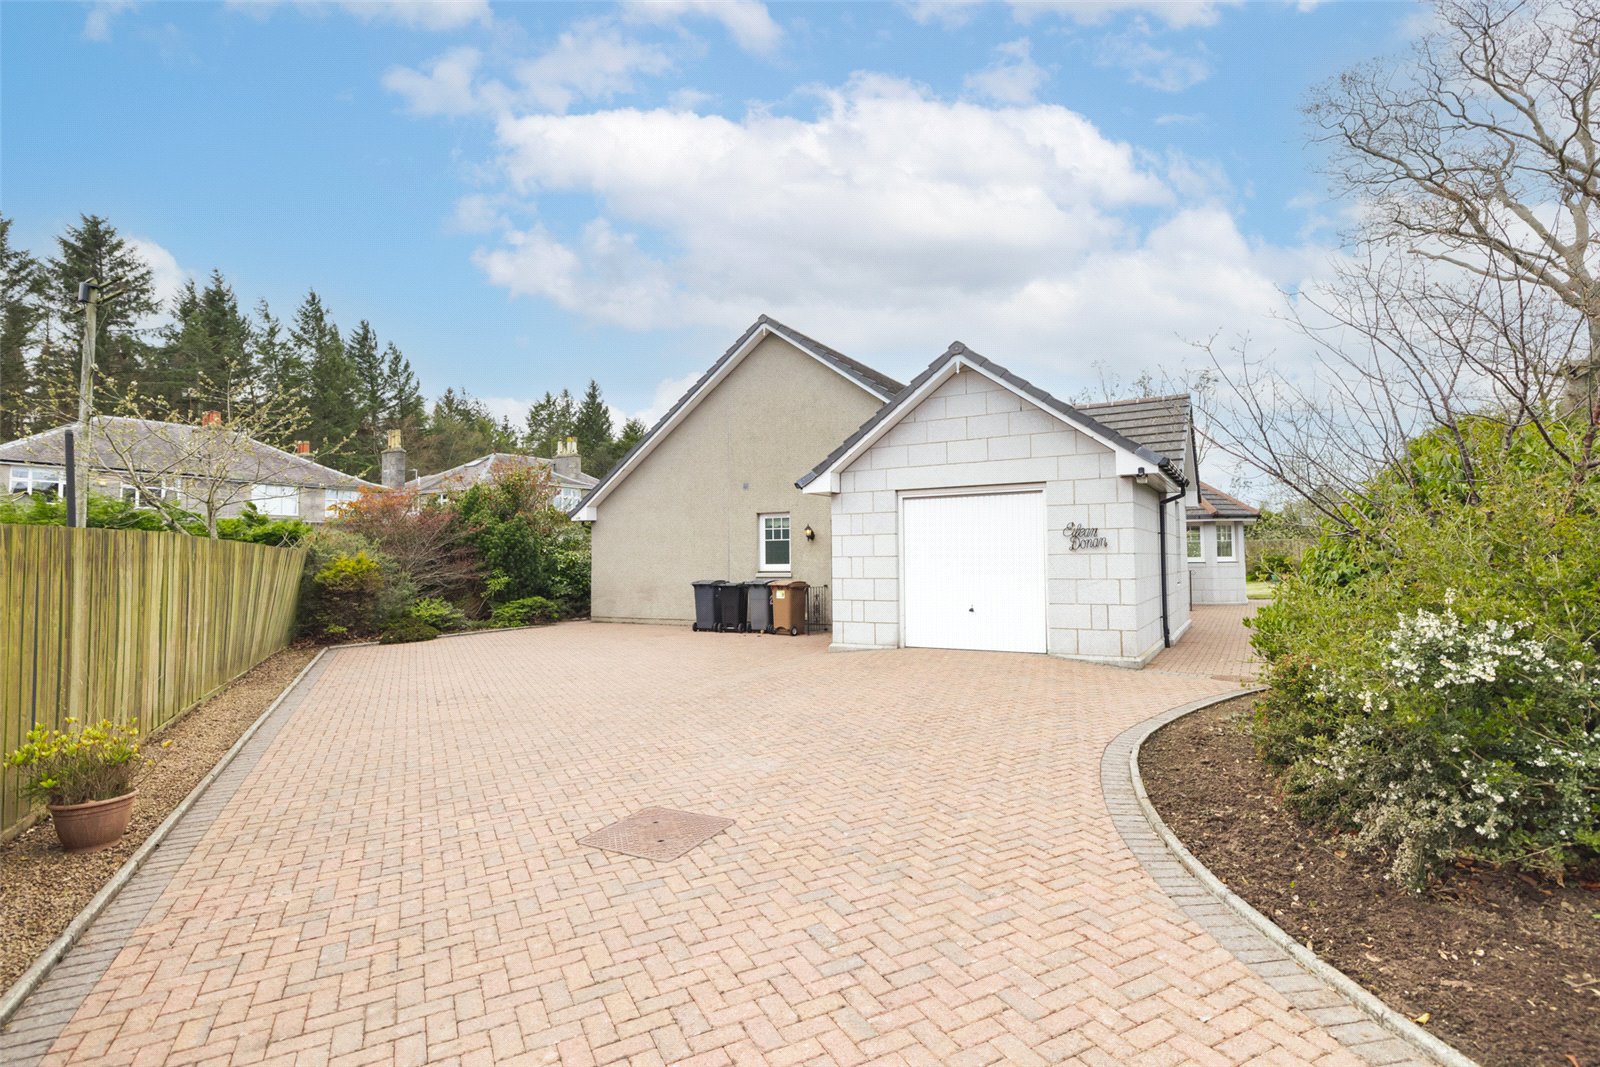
<point x="1166" y="626"/>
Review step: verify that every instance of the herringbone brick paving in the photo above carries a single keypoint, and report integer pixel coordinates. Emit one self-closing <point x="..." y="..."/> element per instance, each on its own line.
<point x="1217" y="646"/>
<point x="922" y="871"/>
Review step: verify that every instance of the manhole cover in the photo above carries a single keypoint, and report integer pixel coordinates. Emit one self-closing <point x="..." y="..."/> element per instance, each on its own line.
<point x="656" y="833"/>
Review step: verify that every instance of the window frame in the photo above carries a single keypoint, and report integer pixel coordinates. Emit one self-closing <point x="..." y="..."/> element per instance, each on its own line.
<point x="762" y="540"/>
<point x="291" y="494"/>
<point x="566" y="498"/>
<point x="347" y="496"/>
<point x="1233" y="543"/>
<point x="1194" y="544"/>
<point x="31" y="479"/>
<point x="169" y="489"/>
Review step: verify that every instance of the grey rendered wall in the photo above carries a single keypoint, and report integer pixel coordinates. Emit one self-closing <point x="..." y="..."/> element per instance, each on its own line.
<point x="1219" y="582"/>
<point x="689" y="510"/>
<point x="1104" y="603"/>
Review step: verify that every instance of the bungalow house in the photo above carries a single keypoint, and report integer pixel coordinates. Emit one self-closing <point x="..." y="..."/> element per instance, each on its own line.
<point x="195" y="466"/>
<point x="968" y="509"/>
<point x="1215" y="546"/>
<point x="565" y="471"/>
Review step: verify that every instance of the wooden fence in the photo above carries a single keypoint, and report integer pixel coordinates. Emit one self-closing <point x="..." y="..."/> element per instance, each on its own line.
<point x="129" y="626"/>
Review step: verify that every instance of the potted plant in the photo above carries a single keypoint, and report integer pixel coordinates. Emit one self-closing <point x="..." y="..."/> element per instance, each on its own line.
<point x="83" y="776"/>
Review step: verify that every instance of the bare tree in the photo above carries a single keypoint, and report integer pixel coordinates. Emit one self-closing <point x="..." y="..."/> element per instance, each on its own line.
<point x="176" y="467"/>
<point x="1472" y="287"/>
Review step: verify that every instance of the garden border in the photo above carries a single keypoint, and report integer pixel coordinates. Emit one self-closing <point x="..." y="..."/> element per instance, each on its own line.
<point x="1283" y="962"/>
<point x="17" y="995"/>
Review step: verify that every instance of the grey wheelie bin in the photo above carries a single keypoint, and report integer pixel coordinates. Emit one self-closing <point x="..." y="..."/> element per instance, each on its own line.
<point x="706" y="616"/>
<point x="758" y="606"/>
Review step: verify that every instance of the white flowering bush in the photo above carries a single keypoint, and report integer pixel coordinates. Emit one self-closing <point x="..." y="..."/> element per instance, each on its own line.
<point x="1432" y="669"/>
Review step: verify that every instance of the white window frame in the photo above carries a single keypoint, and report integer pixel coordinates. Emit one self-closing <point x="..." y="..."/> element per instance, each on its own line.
<point x="1233" y="543"/>
<point x="762" y="540"/>
<point x="167" y="490"/>
<point x="261" y="495"/>
<point x="1195" y="544"/>
<point x="28" y="479"/>
<point x="332" y="498"/>
<point x="566" y="497"/>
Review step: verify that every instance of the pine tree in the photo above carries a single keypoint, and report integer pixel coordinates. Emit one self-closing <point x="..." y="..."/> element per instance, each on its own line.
<point x="592" y="424"/>
<point x="206" y="355"/>
<point x="23" y="322"/>
<point x="401" y="393"/>
<point x="94" y="250"/>
<point x="280" y="372"/>
<point x="459" y="429"/>
<point x="366" y="365"/>
<point x="550" y="422"/>
<point x="331" y="400"/>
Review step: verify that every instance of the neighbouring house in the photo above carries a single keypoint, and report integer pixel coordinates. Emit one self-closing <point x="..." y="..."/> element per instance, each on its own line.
<point x="565" y="471"/>
<point x="1216" y="527"/>
<point x="977" y="511"/>
<point x="202" y="467"/>
<point x="709" y="491"/>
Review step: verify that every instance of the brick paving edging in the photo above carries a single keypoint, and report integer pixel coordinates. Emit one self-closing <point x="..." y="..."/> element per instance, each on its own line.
<point x="39" y="1005"/>
<point x="1357" y="1019"/>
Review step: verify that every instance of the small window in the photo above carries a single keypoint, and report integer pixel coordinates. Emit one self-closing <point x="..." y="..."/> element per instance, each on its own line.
<point x="1195" y="549"/>
<point x="281" y="501"/>
<point x="774" y="542"/>
<point x="567" y="498"/>
<point x="1225" y="542"/>
<point x="151" y="496"/>
<point x="32" y="480"/>
<point x="333" y="499"/>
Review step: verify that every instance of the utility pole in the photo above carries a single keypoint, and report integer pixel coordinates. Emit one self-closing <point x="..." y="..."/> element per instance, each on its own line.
<point x="89" y="299"/>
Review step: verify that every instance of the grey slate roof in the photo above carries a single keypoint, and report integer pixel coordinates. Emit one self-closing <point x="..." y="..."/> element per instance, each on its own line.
<point x="858" y="372"/>
<point x="1215" y="505"/>
<point x="1160" y="460"/>
<point x="1165" y="423"/>
<point x="169" y="448"/>
<point x="487" y="468"/>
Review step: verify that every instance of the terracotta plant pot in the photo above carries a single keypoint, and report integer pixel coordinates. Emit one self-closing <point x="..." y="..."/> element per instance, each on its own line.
<point x="93" y="825"/>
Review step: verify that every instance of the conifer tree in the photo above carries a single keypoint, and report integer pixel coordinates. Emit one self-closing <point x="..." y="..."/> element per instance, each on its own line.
<point x="279" y="369"/>
<point x="23" y="323"/>
<point x="550" y="421"/>
<point x="333" y="417"/>
<point x="94" y="250"/>
<point x="592" y="424"/>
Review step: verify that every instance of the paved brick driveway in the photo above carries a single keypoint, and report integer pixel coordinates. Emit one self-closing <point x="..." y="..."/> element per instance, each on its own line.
<point x="922" y="870"/>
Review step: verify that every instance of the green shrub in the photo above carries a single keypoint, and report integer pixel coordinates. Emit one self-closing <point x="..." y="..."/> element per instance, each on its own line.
<point x="349" y="588"/>
<point x="77" y="765"/>
<point x="1434" y="683"/>
<point x="438" y="613"/>
<point x="525" y="612"/>
<point x="258" y="529"/>
<point x="406" y="629"/>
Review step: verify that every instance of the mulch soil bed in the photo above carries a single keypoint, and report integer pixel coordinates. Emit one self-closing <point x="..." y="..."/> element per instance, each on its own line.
<point x="43" y="888"/>
<point x="1504" y="966"/>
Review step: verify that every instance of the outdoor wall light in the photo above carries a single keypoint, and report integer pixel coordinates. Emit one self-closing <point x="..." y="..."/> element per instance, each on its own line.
<point x="811" y="535"/>
<point x="1142" y="478"/>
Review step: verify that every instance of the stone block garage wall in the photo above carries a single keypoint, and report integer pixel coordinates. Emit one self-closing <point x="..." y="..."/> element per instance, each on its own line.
<point x="1219" y="581"/>
<point x="1104" y="603"/>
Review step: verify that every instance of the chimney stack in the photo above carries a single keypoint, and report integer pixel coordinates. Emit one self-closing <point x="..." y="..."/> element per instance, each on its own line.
<point x="393" y="463"/>
<point x="302" y="448"/>
<point x="566" y="461"/>
<point x="211" y="418"/>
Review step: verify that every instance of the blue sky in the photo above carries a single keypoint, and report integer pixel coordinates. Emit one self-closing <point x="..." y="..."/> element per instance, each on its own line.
<point x="523" y="196"/>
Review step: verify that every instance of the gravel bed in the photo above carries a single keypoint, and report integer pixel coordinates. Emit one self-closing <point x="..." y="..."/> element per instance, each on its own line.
<point x="43" y="888"/>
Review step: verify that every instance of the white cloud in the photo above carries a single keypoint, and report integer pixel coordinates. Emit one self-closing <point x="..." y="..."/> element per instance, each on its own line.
<point x="1177" y="14"/>
<point x="590" y="60"/>
<point x="748" y="21"/>
<point x="1013" y="78"/>
<point x="507" y="407"/>
<point x="951" y="14"/>
<point x="445" y="89"/>
<point x="1151" y="65"/>
<point x="102" y="13"/>
<point x="1175" y="118"/>
<point x="889" y="222"/>
<point x="417" y="14"/>
<point x="668" y="392"/>
<point x="167" y="276"/>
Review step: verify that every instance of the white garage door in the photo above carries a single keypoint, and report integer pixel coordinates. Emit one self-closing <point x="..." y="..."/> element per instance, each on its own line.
<point x="974" y="571"/>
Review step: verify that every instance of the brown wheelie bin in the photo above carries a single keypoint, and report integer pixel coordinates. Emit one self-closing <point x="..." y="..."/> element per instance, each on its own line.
<point x="789" y="607"/>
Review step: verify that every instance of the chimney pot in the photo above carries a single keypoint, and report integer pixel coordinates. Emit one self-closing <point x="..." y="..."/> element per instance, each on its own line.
<point x="302" y="448"/>
<point x="211" y="418"/>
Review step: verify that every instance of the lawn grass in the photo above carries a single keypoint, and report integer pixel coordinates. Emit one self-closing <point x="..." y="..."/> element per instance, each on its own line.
<point x="1260" y="590"/>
